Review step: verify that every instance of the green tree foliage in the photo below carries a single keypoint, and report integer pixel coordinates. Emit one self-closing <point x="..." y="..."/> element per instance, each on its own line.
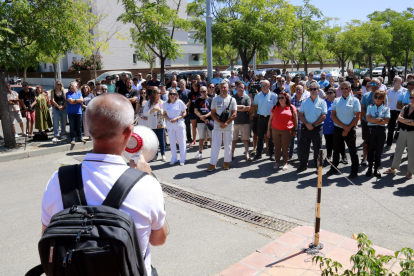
<point x="52" y="26"/>
<point x="154" y="26"/>
<point x="248" y="26"/>
<point x="222" y="55"/>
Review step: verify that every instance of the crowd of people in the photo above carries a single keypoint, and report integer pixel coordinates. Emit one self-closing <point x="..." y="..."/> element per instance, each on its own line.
<point x="272" y="113"/>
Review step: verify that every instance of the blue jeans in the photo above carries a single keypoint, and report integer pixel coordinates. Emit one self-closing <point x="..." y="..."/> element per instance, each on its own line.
<point x="160" y="134"/>
<point x="59" y="116"/>
<point x="75" y="123"/>
<point x="292" y="143"/>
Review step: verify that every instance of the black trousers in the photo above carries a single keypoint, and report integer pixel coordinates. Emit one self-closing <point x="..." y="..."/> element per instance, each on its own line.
<point x="306" y="137"/>
<point x="350" y="141"/>
<point x="391" y="126"/>
<point x="376" y="139"/>
<point x="262" y="123"/>
<point x="188" y="128"/>
<point x="329" y="142"/>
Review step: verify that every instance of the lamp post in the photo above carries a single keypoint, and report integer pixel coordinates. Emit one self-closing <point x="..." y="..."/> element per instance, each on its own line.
<point x="209" y="44"/>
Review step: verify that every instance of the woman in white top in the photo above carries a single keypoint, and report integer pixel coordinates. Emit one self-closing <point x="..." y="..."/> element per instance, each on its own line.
<point x="153" y="110"/>
<point x="142" y="119"/>
<point x="174" y="112"/>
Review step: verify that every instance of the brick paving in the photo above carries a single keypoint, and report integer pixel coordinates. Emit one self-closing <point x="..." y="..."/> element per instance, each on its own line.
<point x="284" y="257"/>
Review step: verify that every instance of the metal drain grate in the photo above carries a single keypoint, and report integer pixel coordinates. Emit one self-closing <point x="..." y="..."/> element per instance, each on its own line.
<point x="230" y="210"/>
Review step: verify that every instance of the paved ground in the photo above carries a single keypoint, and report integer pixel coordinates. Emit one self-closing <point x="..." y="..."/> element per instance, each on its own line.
<point x="200" y="242"/>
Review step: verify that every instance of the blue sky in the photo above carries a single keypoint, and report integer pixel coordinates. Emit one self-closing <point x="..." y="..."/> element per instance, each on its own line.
<point x="355" y="9"/>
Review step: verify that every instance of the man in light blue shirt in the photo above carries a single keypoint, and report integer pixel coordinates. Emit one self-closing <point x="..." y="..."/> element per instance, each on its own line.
<point x="312" y="113"/>
<point x="217" y="79"/>
<point x="404" y="97"/>
<point x="345" y="114"/>
<point x="264" y="102"/>
<point x="323" y="82"/>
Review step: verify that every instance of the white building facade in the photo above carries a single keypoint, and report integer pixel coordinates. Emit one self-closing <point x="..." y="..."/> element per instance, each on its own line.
<point x="121" y="54"/>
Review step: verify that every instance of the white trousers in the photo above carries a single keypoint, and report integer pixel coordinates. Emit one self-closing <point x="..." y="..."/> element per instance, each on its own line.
<point x="218" y="137"/>
<point x="177" y="135"/>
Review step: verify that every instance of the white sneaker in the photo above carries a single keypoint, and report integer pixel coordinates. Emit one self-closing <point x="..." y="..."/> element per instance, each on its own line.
<point x="16" y="135"/>
<point x="199" y="155"/>
<point x="164" y="159"/>
<point x="63" y="137"/>
<point x="54" y="140"/>
<point x="181" y="163"/>
<point x="172" y="162"/>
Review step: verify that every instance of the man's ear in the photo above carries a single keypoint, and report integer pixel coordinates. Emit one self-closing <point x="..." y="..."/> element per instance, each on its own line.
<point x="128" y="131"/>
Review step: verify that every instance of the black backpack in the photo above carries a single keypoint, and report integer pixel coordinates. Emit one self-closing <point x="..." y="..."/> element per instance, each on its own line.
<point x="91" y="240"/>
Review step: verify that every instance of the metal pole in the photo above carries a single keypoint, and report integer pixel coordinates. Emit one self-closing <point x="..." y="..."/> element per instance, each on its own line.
<point x="315" y="247"/>
<point x="412" y="68"/>
<point x="209" y="43"/>
<point x="318" y="201"/>
<point x="59" y="71"/>
<point x="291" y="65"/>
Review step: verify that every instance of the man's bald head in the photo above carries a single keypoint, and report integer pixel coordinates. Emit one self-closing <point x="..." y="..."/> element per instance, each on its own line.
<point x="108" y="116"/>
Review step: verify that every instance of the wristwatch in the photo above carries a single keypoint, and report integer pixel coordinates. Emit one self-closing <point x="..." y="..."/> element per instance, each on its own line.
<point x="409" y="121"/>
<point x="313" y="125"/>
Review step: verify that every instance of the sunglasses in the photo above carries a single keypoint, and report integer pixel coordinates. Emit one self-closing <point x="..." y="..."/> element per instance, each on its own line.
<point x="173" y="94"/>
<point x="378" y="98"/>
<point x="232" y="86"/>
<point x="344" y="88"/>
<point x="329" y="93"/>
<point x="203" y="91"/>
<point x="313" y="89"/>
<point x="282" y="98"/>
<point x="411" y="98"/>
<point x="59" y="84"/>
<point x="211" y="87"/>
<point x="108" y="79"/>
<point x="143" y="93"/>
<point x="104" y="89"/>
<point x="374" y="84"/>
<point x="281" y="81"/>
<point x="341" y="81"/>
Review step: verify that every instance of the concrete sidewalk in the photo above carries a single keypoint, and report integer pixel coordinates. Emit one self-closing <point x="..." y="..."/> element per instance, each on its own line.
<point x="32" y="148"/>
<point x="284" y="256"/>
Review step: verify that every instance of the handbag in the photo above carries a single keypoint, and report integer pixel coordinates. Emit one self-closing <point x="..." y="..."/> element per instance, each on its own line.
<point x="225" y="115"/>
<point x="210" y="124"/>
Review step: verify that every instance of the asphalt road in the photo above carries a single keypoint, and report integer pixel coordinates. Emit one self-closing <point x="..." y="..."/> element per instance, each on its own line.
<point x="200" y="242"/>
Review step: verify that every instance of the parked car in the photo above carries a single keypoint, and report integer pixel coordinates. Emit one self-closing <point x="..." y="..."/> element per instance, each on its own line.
<point x="301" y="73"/>
<point x="236" y="68"/>
<point x="276" y="71"/>
<point x="364" y="72"/>
<point x="186" y="73"/>
<point x="317" y="74"/>
<point x="357" y="72"/>
<point x="377" y="72"/>
<point x="112" y="75"/>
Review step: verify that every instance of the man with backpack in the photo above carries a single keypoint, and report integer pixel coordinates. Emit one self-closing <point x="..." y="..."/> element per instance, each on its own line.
<point x="82" y="229"/>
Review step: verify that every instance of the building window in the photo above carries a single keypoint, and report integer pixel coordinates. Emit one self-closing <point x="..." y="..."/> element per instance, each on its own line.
<point x="51" y="68"/>
<point x="167" y="62"/>
<point x="73" y="58"/>
<point x="45" y="66"/>
<point x="134" y="58"/>
<point x="195" y="60"/>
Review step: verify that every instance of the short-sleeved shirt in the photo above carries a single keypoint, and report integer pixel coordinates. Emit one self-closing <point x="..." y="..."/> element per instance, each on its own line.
<point x="220" y="104"/>
<point x="111" y="88"/>
<point x="323" y="84"/>
<point x="243" y="117"/>
<point x="329" y="86"/>
<point x="313" y="110"/>
<point x="145" y="201"/>
<point x="233" y="80"/>
<point x="174" y="110"/>
<point x="216" y="81"/>
<point x="277" y="90"/>
<point x="183" y="95"/>
<point x="121" y="87"/>
<point x="298" y="104"/>
<point x="381" y="111"/>
<point x="265" y="102"/>
<point x="130" y="94"/>
<point x="28" y="98"/>
<point x="346" y="108"/>
<point x="193" y="96"/>
<point x="88" y="98"/>
<point x="404" y="97"/>
<point x="204" y="107"/>
<point x="328" y="124"/>
<point x="368" y="99"/>
<point x="393" y="97"/>
<point x="283" y="117"/>
<point x="13" y="95"/>
<point x="74" y="108"/>
<point x="152" y="83"/>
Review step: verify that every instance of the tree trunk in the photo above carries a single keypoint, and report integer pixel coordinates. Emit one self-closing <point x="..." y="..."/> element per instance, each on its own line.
<point x="245" y="64"/>
<point x="9" y="140"/>
<point x="297" y="66"/>
<point x="321" y="64"/>
<point x="24" y="74"/>
<point x="152" y="65"/>
<point x="306" y="66"/>
<point x="94" y="68"/>
<point x="343" y="66"/>
<point x="162" y="68"/>
<point x="54" y="71"/>
<point x="370" y="66"/>
<point x="389" y="69"/>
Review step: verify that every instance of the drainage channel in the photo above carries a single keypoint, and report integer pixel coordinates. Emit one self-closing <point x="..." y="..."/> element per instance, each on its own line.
<point x="229" y="210"/>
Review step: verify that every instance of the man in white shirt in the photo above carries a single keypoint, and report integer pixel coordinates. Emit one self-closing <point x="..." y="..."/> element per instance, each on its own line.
<point x="382" y="85"/>
<point x="110" y="119"/>
<point x="392" y="96"/>
<point x="288" y="82"/>
<point x="223" y="130"/>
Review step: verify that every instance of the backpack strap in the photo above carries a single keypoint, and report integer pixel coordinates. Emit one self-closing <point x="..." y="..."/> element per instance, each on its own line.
<point x="122" y="187"/>
<point x="71" y="186"/>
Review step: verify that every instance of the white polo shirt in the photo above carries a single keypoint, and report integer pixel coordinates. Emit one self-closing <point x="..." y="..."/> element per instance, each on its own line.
<point x="145" y="202"/>
<point x="393" y="95"/>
